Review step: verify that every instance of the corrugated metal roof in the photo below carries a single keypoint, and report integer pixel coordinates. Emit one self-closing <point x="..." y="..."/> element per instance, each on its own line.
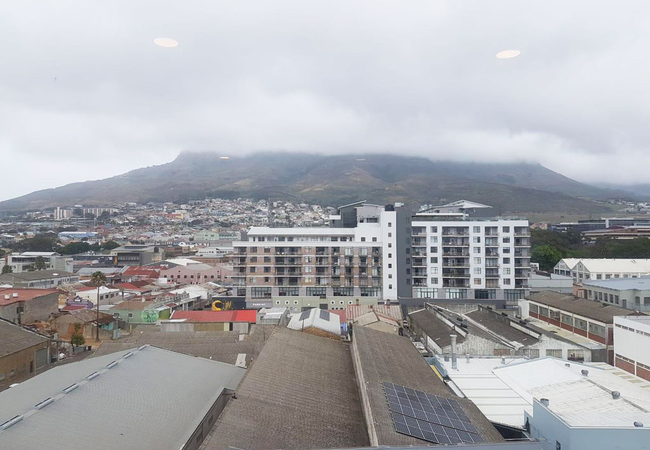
<point x="14" y="338"/>
<point x="173" y="392"/>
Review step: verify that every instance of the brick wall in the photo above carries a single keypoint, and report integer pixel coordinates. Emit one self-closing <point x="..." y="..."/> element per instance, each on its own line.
<point x="19" y="366"/>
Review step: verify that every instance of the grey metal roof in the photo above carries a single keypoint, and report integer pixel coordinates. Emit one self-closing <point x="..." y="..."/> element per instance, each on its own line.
<point x="500" y="325"/>
<point x="37" y="275"/>
<point x="222" y="346"/>
<point x="435" y="328"/>
<point x="621" y="284"/>
<point x="386" y="357"/>
<point x="153" y="399"/>
<point x="301" y="393"/>
<point x="13" y="338"/>
<point x="590" y="309"/>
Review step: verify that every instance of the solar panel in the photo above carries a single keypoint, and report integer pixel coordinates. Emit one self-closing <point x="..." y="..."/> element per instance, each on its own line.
<point x="325" y="315"/>
<point x="304" y="315"/>
<point x="429" y="417"/>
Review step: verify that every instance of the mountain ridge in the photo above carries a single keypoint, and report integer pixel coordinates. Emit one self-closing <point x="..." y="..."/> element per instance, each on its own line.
<point x="331" y="180"/>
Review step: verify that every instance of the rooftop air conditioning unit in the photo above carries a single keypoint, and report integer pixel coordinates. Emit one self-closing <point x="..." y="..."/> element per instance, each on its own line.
<point x="15" y="295"/>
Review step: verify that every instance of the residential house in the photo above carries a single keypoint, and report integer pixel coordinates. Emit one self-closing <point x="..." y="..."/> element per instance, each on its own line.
<point x="87" y="320"/>
<point x="22" y="353"/>
<point x="25" y="306"/>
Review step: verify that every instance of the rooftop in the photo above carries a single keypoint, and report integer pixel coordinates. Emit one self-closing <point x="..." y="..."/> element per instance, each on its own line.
<point x="581" y="306"/>
<point x="15" y="338"/>
<point x="109" y="407"/>
<point x="614" y="265"/>
<point x="303" y="392"/>
<point x="24" y="295"/>
<point x="394" y="311"/>
<point x="305" y="231"/>
<point x="133" y="306"/>
<point x="500" y="325"/>
<point x="224" y="346"/>
<point x="384" y="357"/>
<point x="316" y="318"/>
<point x="36" y="275"/>
<point x="249" y="316"/>
<point x="434" y="327"/>
<point x="621" y="284"/>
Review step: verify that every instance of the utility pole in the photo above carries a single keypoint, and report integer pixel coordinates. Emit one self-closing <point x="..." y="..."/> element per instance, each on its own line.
<point x="97" y="323"/>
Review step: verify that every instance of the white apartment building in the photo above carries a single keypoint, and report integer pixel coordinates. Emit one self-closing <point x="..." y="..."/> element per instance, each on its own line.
<point x="24" y="262"/>
<point x="457" y="256"/>
<point x="631" y="344"/>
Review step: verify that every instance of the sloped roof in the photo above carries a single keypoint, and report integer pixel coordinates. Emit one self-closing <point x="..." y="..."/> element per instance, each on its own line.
<point x="590" y="309"/>
<point x="15" y="338"/>
<point x="394" y="311"/>
<point x="498" y="325"/>
<point x="239" y="315"/>
<point x="435" y="328"/>
<point x="384" y="357"/>
<point x="24" y="295"/>
<point x="301" y="393"/>
<point x="316" y="318"/>
<point x="110" y="407"/>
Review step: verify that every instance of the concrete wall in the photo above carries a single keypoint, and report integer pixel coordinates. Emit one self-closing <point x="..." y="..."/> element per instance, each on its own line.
<point x="19" y="366"/>
<point x="631" y="344"/>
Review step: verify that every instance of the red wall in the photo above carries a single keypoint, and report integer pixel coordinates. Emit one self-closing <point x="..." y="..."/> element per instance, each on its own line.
<point x="626" y="366"/>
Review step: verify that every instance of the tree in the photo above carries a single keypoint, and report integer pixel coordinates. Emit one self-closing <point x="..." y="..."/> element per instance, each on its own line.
<point x="39" y="264"/>
<point x="7" y="269"/>
<point x="97" y="279"/>
<point x="110" y="245"/>
<point x="74" y="248"/>
<point x="77" y="339"/>
<point x="546" y="256"/>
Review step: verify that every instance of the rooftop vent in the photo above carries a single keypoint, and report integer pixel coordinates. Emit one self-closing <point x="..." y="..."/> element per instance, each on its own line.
<point x="638" y="424"/>
<point x="567" y="365"/>
<point x="545" y="401"/>
<point x="14" y="420"/>
<point x="15" y="295"/>
<point x="585" y="372"/>
<point x="7" y="297"/>
<point x="616" y="394"/>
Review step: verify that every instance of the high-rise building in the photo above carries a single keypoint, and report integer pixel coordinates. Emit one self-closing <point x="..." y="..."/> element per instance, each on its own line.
<point x="375" y="254"/>
<point x="459" y="252"/>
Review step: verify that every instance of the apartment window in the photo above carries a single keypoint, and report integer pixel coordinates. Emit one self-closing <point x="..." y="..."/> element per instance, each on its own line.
<point x="390" y="266"/>
<point x="580" y="324"/>
<point x="555" y="353"/>
<point x="363" y="239"/>
<point x="506" y="229"/>
<point x="476" y="229"/>
<point x="267" y="259"/>
<point x="253" y="259"/>
<point x="506" y="250"/>
<point x="390" y="286"/>
<point x="506" y="270"/>
<point x="252" y="249"/>
<point x="308" y="269"/>
<point x="506" y="260"/>
<point x="390" y="234"/>
<point x="433" y="250"/>
<point x="390" y="255"/>
<point x="616" y="299"/>
<point x="267" y="279"/>
<point x="455" y="293"/>
<point x="316" y="291"/>
<point x="260" y="292"/>
<point x="477" y="260"/>
<point x="477" y="270"/>
<point x="374" y="239"/>
<point x="485" y="294"/>
<point x="390" y="224"/>
<point x="434" y="260"/>
<point x="637" y="301"/>
<point x="476" y="239"/>
<point x="308" y="280"/>
<point x="477" y="249"/>
<point x="608" y="276"/>
<point x="408" y="260"/>
<point x="408" y="251"/>
<point x="506" y="281"/>
<point x="390" y="275"/>
<point x="390" y="245"/>
<point x="434" y="229"/>
<point x="408" y="271"/>
<point x="252" y="270"/>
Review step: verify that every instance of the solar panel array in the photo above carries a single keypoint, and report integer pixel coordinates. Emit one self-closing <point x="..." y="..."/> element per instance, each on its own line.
<point x="429" y="417"/>
<point x="325" y="315"/>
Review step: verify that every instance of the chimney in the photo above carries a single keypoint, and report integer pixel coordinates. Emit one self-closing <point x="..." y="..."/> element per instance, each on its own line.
<point x="544" y="401"/>
<point x="454" y="363"/>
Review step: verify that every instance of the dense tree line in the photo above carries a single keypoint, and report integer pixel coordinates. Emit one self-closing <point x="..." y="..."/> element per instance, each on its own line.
<point x="49" y="243"/>
<point x="548" y="247"/>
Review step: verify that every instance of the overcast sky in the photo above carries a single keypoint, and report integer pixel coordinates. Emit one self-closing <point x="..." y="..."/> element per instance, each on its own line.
<point x="86" y="94"/>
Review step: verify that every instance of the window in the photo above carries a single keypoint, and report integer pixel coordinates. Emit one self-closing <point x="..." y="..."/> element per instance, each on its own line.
<point x="390" y="255"/>
<point x="506" y="281"/>
<point x="252" y="270"/>
<point x="390" y="275"/>
<point x="477" y="249"/>
<point x="476" y="229"/>
<point x="434" y="280"/>
<point x="267" y="270"/>
<point x="253" y="259"/>
<point x="506" y="249"/>
<point x="580" y="324"/>
<point x="506" y="229"/>
<point x="434" y="229"/>
<point x="390" y="234"/>
<point x="434" y="270"/>
<point x="390" y="224"/>
<point x="316" y="291"/>
<point x="252" y="249"/>
<point x="485" y="294"/>
<point x="267" y="259"/>
<point x="477" y="271"/>
<point x="477" y="281"/>
<point x="261" y="292"/>
<point x="434" y="249"/>
<point x="477" y="260"/>
<point x="599" y="277"/>
<point x="374" y="239"/>
<point x="390" y="245"/>
<point x="267" y="279"/>
<point x="476" y="239"/>
<point x="390" y="266"/>
<point x="390" y="286"/>
<point x="434" y="239"/>
<point x="434" y="260"/>
<point x="506" y="240"/>
<point x="506" y="270"/>
<point x="506" y="260"/>
<point x="363" y="239"/>
<point x="555" y="353"/>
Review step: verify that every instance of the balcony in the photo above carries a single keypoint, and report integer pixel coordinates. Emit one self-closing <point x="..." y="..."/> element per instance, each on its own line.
<point x="419" y="262"/>
<point x="322" y="261"/>
<point x="417" y="242"/>
<point x="420" y="273"/>
<point x="492" y="284"/>
<point x="455" y="283"/>
<point x="492" y="273"/>
<point x="522" y="242"/>
<point x="288" y="262"/>
<point x="419" y="253"/>
<point x="491" y="252"/>
<point x="456" y="253"/>
<point x="450" y="273"/>
<point x="522" y="253"/>
<point x="320" y="251"/>
<point x="455" y="262"/>
<point x="455" y="242"/>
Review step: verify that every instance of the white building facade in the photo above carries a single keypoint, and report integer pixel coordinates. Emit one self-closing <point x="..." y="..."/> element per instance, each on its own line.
<point x="632" y="345"/>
